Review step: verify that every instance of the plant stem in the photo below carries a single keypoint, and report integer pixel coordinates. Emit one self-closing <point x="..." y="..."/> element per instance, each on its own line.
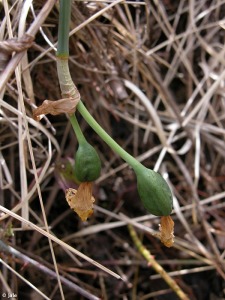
<point x="153" y="263"/>
<point x="63" y="30"/>
<point x="76" y="127"/>
<point x="106" y="138"/>
<point x="66" y="84"/>
<point x="68" y="88"/>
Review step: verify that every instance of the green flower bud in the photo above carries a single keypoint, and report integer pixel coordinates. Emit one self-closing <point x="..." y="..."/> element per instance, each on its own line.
<point x="154" y="192"/>
<point x="87" y="163"/>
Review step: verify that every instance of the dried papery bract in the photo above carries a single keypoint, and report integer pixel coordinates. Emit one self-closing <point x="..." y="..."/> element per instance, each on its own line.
<point x="166" y="231"/>
<point x="81" y="200"/>
<point x="67" y="106"/>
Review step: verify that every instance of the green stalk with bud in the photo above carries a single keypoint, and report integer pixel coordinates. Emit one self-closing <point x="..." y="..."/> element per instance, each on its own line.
<point x="154" y="191"/>
<point x="87" y="162"/>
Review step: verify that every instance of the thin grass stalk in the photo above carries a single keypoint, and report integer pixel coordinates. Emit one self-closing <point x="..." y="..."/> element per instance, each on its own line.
<point x="22" y="106"/>
<point x="9" y="69"/>
<point x="37" y="265"/>
<point x="21" y="132"/>
<point x="155" y="265"/>
<point x="58" y="241"/>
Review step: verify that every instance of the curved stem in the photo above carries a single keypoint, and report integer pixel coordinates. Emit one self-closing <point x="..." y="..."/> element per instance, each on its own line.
<point x="67" y="87"/>
<point x="76" y="127"/>
<point x="106" y="138"/>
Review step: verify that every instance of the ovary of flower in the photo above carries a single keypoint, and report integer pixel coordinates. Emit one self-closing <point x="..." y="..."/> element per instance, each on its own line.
<point x="81" y="200"/>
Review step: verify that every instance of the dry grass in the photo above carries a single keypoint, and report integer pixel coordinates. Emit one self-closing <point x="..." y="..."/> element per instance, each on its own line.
<point x="152" y="74"/>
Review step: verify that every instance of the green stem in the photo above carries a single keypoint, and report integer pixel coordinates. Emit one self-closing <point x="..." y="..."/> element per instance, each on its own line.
<point x="106" y="138"/>
<point x="64" y="26"/>
<point x="68" y="88"/>
<point x="76" y="127"/>
<point x="66" y="84"/>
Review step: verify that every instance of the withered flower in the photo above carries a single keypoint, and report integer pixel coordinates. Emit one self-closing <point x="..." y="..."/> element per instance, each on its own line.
<point x="81" y="200"/>
<point x="166" y="231"/>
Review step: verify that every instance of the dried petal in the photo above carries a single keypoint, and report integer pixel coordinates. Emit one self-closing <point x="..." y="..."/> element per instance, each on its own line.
<point x="166" y="231"/>
<point x="67" y="105"/>
<point x="81" y="200"/>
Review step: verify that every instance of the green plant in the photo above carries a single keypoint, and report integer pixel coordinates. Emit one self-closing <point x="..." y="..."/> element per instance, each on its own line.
<point x="154" y="191"/>
<point x="88" y="165"/>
